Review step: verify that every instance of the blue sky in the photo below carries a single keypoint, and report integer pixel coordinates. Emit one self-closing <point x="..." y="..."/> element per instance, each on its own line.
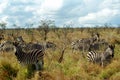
<point x="74" y="12"/>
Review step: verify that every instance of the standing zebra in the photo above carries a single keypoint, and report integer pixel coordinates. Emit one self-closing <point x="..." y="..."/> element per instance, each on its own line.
<point x="34" y="57"/>
<point x="101" y="58"/>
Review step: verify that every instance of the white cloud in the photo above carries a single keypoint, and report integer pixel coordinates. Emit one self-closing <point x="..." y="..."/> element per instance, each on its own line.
<point x="29" y="8"/>
<point x="3" y="5"/>
<point x="4" y="19"/>
<point x="49" y="7"/>
<point x="102" y="16"/>
<point x="113" y="4"/>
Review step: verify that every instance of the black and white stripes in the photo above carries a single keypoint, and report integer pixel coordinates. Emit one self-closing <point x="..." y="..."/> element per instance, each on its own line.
<point x="35" y="57"/>
<point x="101" y="58"/>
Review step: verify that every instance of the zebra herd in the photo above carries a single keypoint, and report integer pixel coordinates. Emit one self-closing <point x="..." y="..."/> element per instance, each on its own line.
<point x="33" y="53"/>
<point x="27" y="53"/>
<point x="93" y="48"/>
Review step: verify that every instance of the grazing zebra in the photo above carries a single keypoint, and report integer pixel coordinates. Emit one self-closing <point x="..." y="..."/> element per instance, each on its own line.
<point x="33" y="57"/>
<point x="101" y="58"/>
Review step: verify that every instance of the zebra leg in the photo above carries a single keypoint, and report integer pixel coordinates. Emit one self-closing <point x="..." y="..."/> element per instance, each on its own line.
<point x="102" y="64"/>
<point x="36" y="66"/>
<point x="39" y="65"/>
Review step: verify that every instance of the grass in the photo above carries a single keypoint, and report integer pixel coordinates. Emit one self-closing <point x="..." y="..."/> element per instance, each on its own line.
<point x="73" y="65"/>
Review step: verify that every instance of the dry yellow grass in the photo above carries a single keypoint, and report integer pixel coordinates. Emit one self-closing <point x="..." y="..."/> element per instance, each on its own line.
<point x="73" y="66"/>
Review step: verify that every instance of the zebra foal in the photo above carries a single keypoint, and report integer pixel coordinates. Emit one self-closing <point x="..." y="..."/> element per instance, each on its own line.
<point x="33" y="57"/>
<point x="101" y="58"/>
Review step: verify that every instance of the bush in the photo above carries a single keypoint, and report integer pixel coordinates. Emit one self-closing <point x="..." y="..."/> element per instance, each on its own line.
<point x="7" y="72"/>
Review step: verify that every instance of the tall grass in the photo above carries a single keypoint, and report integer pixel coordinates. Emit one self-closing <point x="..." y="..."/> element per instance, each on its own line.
<point x="73" y="65"/>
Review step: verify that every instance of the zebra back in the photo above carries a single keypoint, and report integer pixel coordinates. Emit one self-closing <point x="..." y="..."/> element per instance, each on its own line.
<point x="98" y="46"/>
<point x="82" y="44"/>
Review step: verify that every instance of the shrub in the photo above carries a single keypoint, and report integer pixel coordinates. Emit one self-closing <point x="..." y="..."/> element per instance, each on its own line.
<point x="7" y="72"/>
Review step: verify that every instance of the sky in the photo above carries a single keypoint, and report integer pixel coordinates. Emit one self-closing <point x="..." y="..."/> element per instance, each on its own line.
<point x="79" y="13"/>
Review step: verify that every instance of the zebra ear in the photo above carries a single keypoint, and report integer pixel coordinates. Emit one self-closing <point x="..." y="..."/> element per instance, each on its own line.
<point x="14" y="49"/>
<point x="15" y="44"/>
<point x="112" y="46"/>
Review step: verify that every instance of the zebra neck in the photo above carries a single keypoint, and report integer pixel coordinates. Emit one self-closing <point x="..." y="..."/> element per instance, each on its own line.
<point x="19" y="52"/>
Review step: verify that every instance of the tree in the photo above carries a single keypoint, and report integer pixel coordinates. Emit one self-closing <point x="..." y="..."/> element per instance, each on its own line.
<point x="3" y="27"/>
<point x="45" y="26"/>
<point x="29" y="31"/>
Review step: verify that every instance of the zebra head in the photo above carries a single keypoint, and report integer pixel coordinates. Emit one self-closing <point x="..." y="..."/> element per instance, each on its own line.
<point x="19" y="39"/>
<point x="1" y="46"/>
<point x="50" y="45"/>
<point x="95" y="37"/>
<point x="75" y="44"/>
<point x="17" y="48"/>
<point x="1" y="37"/>
<point x="110" y="50"/>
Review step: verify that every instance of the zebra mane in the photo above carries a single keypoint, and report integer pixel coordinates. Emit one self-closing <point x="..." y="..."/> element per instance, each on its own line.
<point x="16" y="46"/>
<point x="110" y="46"/>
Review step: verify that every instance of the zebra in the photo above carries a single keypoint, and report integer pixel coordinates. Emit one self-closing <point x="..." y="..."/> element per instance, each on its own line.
<point x="33" y="57"/>
<point x="79" y="45"/>
<point x="84" y="43"/>
<point x="97" y="46"/>
<point x="50" y="45"/>
<point x="6" y="46"/>
<point x="19" y="39"/>
<point x="95" y="37"/>
<point x="103" y="57"/>
<point x="30" y="46"/>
